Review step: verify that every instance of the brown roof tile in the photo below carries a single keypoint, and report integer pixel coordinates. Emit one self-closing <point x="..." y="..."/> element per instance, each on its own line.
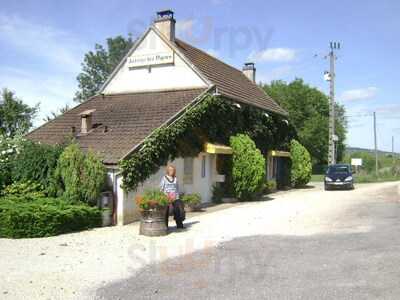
<point x="129" y="119"/>
<point x="230" y="82"/>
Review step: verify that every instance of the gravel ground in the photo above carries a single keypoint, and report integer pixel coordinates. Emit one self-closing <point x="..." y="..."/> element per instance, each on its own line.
<point x="79" y="265"/>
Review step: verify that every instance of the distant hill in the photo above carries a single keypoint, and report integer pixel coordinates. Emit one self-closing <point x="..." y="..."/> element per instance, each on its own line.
<point x="356" y="149"/>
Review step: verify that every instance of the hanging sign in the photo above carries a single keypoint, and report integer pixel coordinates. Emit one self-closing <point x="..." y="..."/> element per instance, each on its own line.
<point x="161" y="58"/>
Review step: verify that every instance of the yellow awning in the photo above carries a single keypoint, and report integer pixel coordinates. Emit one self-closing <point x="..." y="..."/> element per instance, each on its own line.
<point x="217" y="149"/>
<point x="277" y="153"/>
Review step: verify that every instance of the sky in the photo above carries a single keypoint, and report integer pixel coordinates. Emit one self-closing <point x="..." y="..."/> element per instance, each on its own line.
<point x="42" y="44"/>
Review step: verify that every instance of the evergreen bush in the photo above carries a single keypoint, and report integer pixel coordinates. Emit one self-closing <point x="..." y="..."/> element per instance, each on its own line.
<point x="83" y="176"/>
<point x="37" y="163"/>
<point x="23" y="218"/>
<point x="9" y="149"/>
<point x="301" y="164"/>
<point x="248" y="167"/>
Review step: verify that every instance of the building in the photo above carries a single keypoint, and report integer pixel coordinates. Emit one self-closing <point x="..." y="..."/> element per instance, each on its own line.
<point x="156" y="81"/>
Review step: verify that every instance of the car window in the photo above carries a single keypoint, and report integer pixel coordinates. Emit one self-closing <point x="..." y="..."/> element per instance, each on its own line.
<point x="338" y="169"/>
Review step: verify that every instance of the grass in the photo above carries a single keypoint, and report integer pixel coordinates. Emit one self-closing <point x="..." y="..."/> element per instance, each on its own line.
<point x="370" y="178"/>
<point x="361" y="178"/>
<point x="317" y="178"/>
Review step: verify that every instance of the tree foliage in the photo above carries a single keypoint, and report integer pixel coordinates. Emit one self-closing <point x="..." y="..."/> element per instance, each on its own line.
<point x="37" y="163"/>
<point x="69" y="168"/>
<point x="93" y="177"/>
<point x="301" y="164"/>
<point x="15" y="116"/>
<point x="82" y="176"/>
<point x="9" y="149"/>
<point x="248" y="167"/>
<point x="308" y="110"/>
<point x="99" y="64"/>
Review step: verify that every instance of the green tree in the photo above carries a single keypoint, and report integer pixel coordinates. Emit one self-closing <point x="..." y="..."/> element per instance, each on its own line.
<point x="93" y="178"/>
<point x="99" y="64"/>
<point x="15" y="116"/>
<point x="36" y="163"/>
<point x="69" y="168"/>
<point x="248" y="167"/>
<point x="301" y="164"/>
<point x="83" y="176"/>
<point x="308" y="110"/>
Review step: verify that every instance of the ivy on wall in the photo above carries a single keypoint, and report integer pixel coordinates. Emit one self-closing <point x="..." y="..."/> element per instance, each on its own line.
<point x="213" y="119"/>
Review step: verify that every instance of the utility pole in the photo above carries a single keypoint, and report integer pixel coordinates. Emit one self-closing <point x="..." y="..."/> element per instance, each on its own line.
<point x="376" y="147"/>
<point x="393" y="157"/>
<point x="332" y="76"/>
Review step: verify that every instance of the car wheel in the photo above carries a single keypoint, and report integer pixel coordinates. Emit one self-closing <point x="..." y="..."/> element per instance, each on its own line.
<point x="326" y="188"/>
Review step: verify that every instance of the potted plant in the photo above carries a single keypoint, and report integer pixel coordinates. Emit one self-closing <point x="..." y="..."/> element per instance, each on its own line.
<point x="191" y="201"/>
<point x="152" y="205"/>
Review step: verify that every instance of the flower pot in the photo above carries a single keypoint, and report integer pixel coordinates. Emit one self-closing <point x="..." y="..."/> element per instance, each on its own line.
<point x="152" y="222"/>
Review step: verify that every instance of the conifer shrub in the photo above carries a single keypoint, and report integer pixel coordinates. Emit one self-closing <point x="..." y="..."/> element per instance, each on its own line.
<point x="301" y="164"/>
<point x="248" y="167"/>
<point x="82" y="176"/>
<point x="26" y="218"/>
<point x="36" y="163"/>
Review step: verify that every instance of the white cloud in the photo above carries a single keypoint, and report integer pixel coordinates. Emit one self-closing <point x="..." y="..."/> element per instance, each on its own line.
<point x="50" y="45"/>
<point x="279" y="73"/>
<point x="274" y="55"/>
<point x="359" y="94"/>
<point x="185" y="27"/>
<point x="52" y="92"/>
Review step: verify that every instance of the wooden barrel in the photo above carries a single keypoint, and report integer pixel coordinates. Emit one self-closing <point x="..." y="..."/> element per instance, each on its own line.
<point x="152" y="222"/>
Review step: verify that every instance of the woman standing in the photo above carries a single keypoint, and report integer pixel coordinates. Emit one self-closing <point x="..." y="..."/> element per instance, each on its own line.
<point x="169" y="185"/>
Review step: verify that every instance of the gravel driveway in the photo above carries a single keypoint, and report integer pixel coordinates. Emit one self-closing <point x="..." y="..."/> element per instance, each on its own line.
<point x="97" y="263"/>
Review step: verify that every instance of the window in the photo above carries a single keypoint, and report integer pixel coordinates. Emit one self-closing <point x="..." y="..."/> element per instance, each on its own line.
<point x="188" y="170"/>
<point x="203" y="166"/>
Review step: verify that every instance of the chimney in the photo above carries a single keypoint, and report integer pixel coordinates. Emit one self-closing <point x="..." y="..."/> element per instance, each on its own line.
<point x="250" y="71"/>
<point x="86" y="120"/>
<point x="165" y="23"/>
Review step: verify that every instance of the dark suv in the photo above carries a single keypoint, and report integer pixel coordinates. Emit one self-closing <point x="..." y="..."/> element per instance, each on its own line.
<point x="339" y="176"/>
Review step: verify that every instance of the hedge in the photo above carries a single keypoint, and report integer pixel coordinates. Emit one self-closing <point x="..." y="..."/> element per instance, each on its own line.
<point x="27" y="218"/>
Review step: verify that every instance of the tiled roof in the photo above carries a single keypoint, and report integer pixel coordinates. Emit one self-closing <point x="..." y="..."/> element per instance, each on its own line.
<point x="122" y="121"/>
<point x="230" y="82"/>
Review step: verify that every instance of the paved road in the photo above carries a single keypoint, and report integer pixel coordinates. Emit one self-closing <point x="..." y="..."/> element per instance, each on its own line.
<point x="347" y="249"/>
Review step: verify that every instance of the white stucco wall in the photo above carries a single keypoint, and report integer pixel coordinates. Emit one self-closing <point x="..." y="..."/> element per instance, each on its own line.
<point x="159" y="77"/>
<point x="127" y="211"/>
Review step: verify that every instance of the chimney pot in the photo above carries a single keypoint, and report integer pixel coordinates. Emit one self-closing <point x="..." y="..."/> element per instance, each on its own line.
<point x="86" y="120"/>
<point x="249" y="70"/>
<point x="165" y="23"/>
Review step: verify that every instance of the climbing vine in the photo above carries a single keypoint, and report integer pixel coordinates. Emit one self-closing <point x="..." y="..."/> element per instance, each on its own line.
<point x="213" y="119"/>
